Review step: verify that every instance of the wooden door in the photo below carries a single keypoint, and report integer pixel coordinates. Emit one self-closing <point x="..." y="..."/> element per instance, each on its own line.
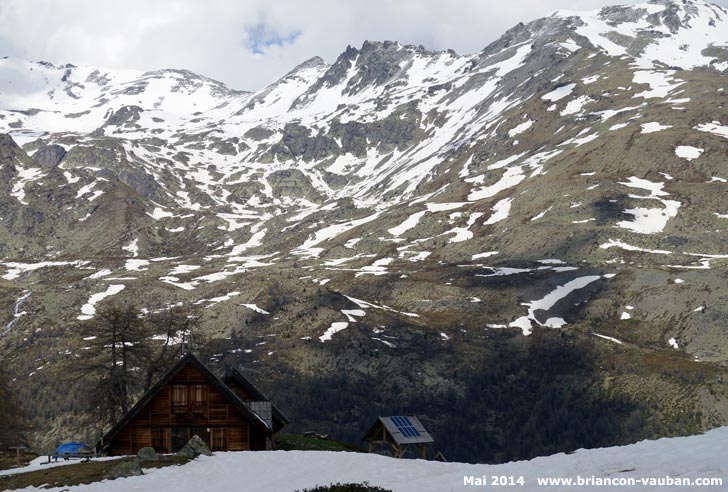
<point x="160" y="440"/>
<point x="180" y="436"/>
<point x="202" y="432"/>
<point x="218" y="439"/>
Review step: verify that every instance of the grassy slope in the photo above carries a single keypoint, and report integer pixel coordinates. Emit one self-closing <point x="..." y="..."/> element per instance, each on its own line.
<point x="293" y="442"/>
<point x="9" y="459"/>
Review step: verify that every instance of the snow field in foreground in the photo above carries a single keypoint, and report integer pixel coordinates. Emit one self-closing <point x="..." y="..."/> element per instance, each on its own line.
<point x="286" y="471"/>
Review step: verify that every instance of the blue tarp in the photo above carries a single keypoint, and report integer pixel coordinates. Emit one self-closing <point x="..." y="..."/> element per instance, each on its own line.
<point x="71" y="448"/>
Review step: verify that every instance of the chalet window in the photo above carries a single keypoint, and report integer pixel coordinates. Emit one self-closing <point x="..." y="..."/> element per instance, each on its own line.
<point x="199" y="394"/>
<point x="198" y="399"/>
<point x="179" y="397"/>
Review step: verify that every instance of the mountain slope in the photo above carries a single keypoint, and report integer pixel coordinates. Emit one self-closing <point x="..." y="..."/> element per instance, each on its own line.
<point x="411" y="204"/>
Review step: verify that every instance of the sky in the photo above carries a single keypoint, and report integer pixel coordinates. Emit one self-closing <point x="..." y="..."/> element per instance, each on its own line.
<point x="248" y="44"/>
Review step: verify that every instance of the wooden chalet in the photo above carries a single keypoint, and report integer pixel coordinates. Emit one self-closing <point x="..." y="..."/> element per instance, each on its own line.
<point x="190" y="400"/>
<point x="398" y="433"/>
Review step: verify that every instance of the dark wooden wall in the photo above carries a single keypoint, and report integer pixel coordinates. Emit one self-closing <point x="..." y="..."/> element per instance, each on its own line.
<point x="166" y="423"/>
<point x="240" y="391"/>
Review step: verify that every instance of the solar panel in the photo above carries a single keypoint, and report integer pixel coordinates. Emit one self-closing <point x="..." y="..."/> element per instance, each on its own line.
<point x="405" y="427"/>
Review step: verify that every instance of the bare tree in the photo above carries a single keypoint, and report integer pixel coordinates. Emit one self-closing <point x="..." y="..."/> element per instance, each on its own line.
<point x="118" y="355"/>
<point x="175" y="333"/>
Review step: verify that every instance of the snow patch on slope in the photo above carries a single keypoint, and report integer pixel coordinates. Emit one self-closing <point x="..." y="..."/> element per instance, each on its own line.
<point x="88" y="310"/>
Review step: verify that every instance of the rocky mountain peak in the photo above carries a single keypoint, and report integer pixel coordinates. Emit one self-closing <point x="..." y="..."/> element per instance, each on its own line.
<point x="315" y="61"/>
<point x="375" y="64"/>
<point x="315" y="65"/>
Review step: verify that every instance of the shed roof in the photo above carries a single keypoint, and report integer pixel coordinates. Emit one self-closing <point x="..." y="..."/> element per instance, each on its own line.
<point x="403" y="429"/>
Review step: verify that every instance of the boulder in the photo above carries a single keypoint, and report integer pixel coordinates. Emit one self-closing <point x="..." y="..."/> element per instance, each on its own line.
<point x="49" y="156"/>
<point x="195" y="447"/>
<point x="124" y="469"/>
<point x="147" y="454"/>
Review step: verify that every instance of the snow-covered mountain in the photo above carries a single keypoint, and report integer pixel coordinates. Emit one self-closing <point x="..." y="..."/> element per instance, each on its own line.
<point x="415" y="109"/>
<point x="570" y="175"/>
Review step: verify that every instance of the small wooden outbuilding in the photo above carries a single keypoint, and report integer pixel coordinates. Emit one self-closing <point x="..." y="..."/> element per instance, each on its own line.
<point x="190" y="400"/>
<point x="398" y="433"/>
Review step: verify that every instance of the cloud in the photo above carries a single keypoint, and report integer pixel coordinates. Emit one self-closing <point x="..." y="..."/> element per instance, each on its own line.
<point x="262" y="35"/>
<point x="248" y="44"/>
